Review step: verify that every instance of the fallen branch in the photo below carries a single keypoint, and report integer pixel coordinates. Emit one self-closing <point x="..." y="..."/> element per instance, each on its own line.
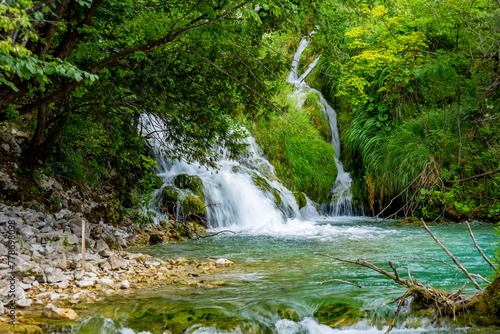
<point x="476" y="176"/>
<point x="342" y="281"/>
<point x="398" y="310"/>
<point x="459" y="265"/>
<point x="479" y="248"/>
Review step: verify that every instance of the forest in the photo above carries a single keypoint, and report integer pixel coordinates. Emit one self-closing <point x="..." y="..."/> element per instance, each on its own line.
<point x="107" y="99"/>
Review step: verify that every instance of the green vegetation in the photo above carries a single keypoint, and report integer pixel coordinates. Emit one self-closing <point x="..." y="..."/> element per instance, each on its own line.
<point x="295" y="145"/>
<point x="416" y="88"/>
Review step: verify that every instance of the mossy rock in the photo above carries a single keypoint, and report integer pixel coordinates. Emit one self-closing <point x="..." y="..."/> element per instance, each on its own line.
<point x="178" y="322"/>
<point x="485" y="310"/>
<point x="190" y="182"/>
<point x="301" y="199"/>
<point x="6" y="328"/>
<point x="263" y="185"/>
<point x="170" y="197"/>
<point x="289" y="314"/>
<point x="194" y="209"/>
<point x="337" y="314"/>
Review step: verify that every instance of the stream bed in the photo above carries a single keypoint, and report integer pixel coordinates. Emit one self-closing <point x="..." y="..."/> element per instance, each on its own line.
<point x="273" y="271"/>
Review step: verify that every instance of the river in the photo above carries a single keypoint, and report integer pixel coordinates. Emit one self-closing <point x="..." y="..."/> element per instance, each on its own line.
<point x="274" y="269"/>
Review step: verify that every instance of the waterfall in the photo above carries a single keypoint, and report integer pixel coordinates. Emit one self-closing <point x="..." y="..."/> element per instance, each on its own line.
<point x="340" y="194"/>
<point x="240" y="196"/>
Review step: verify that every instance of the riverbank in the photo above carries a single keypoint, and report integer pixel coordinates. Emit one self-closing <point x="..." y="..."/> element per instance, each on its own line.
<point x="41" y="274"/>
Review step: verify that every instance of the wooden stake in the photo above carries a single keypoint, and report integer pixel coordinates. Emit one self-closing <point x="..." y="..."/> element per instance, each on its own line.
<point x="83" y="245"/>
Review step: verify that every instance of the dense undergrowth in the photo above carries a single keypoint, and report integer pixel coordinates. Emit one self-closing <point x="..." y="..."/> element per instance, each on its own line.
<point x="418" y="107"/>
<point x="297" y="145"/>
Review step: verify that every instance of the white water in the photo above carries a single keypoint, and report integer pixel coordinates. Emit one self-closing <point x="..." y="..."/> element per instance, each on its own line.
<point x="233" y="200"/>
<point x="341" y="189"/>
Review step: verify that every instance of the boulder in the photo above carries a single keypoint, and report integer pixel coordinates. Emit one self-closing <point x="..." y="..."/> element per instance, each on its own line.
<point x="170" y="197"/>
<point x="52" y="312"/>
<point x="157" y="237"/>
<point x="192" y="207"/>
<point x="190" y="182"/>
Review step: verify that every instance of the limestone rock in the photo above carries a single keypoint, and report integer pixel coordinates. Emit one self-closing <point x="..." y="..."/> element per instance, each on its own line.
<point x="24" y="302"/>
<point x="52" y="312"/>
<point x="220" y="263"/>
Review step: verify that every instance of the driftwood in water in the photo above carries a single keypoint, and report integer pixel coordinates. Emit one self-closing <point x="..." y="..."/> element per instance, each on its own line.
<point x="424" y="296"/>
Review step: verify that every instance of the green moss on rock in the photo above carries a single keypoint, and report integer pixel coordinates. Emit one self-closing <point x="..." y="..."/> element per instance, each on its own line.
<point x="170" y="197"/>
<point x="289" y="314"/>
<point x="265" y="186"/>
<point x="301" y="199"/>
<point x="337" y="314"/>
<point x="190" y="182"/>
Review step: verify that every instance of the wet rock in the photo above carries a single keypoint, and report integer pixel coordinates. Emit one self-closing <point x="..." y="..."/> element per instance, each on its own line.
<point x="337" y="314"/>
<point x="52" y="312"/>
<point x="191" y="182"/>
<point x="157" y="237"/>
<point x="220" y="263"/>
<point x="301" y="199"/>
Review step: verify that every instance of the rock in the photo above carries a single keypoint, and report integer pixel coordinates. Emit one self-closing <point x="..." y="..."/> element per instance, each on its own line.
<point x="337" y="314"/>
<point x="58" y="296"/>
<point x="63" y="213"/>
<point x="63" y="285"/>
<point x="85" y="283"/>
<point x="220" y="263"/>
<point x="2" y="309"/>
<point x="151" y="261"/>
<point x="116" y="262"/>
<point x="24" y="302"/>
<point x="6" y="147"/>
<point x="6" y="184"/>
<point x="52" y="312"/>
<point x="157" y="237"/>
<point x="170" y="197"/>
<point x="54" y="275"/>
<point x="72" y="239"/>
<point x="123" y="285"/>
<point x="38" y="248"/>
<point x="301" y="199"/>
<point x="194" y="205"/>
<point x="100" y="246"/>
<point x="191" y="182"/>
<point x="76" y="226"/>
<point x="106" y="281"/>
<point x="106" y="253"/>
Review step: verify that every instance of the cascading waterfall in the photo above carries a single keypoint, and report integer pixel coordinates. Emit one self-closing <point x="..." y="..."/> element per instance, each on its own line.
<point x="242" y="196"/>
<point x="340" y="193"/>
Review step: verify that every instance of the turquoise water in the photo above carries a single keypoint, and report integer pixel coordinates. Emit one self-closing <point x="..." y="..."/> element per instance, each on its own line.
<point x="274" y="269"/>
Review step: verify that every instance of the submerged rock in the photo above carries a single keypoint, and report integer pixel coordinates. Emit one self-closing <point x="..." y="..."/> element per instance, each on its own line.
<point x="337" y="314"/>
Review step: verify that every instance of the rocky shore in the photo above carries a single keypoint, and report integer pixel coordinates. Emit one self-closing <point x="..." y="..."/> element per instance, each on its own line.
<point x="41" y="265"/>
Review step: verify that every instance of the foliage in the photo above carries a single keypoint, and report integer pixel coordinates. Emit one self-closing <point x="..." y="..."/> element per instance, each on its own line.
<point x="303" y="160"/>
<point x="413" y="83"/>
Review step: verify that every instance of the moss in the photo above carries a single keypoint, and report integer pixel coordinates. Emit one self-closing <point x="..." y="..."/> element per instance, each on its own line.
<point x="337" y="314"/>
<point x="170" y="196"/>
<point x="301" y="199"/>
<point x="194" y="209"/>
<point x="5" y="328"/>
<point x="289" y="314"/>
<point x="190" y="182"/>
<point x="303" y="160"/>
<point x="265" y="186"/>
<point x="317" y="117"/>
<point x="178" y="322"/>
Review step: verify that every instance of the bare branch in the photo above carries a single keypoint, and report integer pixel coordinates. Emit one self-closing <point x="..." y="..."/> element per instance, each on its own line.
<point x="398" y="310"/>
<point x="452" y="257"/>
<point x="477" y="246"/>
<point x="342" y="281"/>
